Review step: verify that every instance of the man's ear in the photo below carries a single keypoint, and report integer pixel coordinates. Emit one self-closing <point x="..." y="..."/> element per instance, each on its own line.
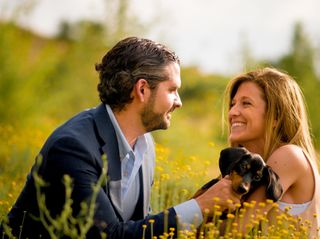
<point x="141" y="90"/>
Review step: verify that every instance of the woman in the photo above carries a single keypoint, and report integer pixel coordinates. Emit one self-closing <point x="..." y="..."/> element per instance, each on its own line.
<point x="267" y="116"/>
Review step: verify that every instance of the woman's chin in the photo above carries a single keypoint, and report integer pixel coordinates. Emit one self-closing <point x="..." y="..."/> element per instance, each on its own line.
<point x="235" y="140"/>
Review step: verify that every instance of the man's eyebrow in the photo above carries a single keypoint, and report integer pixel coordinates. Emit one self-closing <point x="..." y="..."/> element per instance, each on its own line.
<point x="173" y="87"/>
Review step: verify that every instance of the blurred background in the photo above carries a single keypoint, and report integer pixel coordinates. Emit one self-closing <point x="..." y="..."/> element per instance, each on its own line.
<point x="48" y="50"/>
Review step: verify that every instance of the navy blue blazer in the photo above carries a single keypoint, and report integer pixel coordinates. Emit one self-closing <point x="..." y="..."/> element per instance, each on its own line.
<point x="75" y="148"/>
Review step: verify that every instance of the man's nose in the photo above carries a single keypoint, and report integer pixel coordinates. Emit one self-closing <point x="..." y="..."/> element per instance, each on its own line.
<point x="178" y="102"/>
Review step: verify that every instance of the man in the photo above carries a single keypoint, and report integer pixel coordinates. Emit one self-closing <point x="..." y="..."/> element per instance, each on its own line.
<point x="139" y="82"/>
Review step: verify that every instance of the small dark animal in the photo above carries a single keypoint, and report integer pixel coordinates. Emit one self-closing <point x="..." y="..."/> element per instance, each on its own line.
<point x="247" y="171"/>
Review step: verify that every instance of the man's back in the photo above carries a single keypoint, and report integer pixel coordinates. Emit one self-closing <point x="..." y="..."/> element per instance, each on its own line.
<point x="77" y="137"/>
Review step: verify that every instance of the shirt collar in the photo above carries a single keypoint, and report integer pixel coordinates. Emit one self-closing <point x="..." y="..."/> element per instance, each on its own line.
<point x="124" y="147"/>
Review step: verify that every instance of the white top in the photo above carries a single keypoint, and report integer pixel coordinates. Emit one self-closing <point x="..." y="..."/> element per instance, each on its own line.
<point x="294" y="209"/>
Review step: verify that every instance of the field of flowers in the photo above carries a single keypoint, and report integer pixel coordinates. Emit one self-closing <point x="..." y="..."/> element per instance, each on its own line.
<point x="176" y="179"/>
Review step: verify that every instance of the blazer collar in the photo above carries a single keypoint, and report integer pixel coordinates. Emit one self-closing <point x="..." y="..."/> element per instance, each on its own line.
<point x="110" y="147"/>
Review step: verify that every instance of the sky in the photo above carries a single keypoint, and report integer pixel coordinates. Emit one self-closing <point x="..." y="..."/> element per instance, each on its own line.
<point x="209" y="34"/>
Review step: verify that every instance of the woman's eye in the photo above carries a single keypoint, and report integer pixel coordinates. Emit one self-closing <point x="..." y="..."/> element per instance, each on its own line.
<point x="247" y="103"/>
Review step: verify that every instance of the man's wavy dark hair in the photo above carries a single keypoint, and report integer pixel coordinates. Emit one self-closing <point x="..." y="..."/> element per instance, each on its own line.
<point x="128" y="61"/>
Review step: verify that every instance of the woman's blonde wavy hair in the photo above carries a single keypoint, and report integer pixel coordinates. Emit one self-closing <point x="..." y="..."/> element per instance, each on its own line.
<point x="286" y="116"/>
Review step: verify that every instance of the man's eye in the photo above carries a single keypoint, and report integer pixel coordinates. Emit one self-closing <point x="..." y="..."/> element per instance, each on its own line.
<point x="246" y="103"/>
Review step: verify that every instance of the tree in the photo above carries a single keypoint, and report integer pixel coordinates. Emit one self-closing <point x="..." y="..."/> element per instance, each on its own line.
<point x="120" y="20"/>
<point x="300" y="63"/>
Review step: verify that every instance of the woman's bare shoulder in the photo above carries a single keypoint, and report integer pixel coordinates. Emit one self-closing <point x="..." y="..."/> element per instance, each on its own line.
<point x="289" y="157"/>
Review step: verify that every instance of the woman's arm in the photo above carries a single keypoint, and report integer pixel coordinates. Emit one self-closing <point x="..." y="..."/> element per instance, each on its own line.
<point x="290" y="164"/>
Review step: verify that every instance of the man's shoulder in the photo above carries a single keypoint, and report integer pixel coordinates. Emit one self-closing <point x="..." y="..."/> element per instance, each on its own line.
<point x="83" y="118"/>
<point x="84" y="115"/>
<point x="80" y="126"/>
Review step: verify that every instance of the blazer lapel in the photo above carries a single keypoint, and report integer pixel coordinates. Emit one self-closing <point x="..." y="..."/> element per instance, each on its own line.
<point x="139" y="210"/>
<point x="110" y="147"/>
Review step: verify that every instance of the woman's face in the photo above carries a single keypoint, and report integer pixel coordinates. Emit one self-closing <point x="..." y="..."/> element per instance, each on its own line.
<point x="247" y="116"/>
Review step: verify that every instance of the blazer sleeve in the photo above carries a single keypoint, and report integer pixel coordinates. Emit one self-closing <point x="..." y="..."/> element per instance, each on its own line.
<point x="69" y="156"/>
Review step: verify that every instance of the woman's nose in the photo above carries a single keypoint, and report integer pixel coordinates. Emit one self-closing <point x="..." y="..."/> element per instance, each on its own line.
<point x="233" y="111"/>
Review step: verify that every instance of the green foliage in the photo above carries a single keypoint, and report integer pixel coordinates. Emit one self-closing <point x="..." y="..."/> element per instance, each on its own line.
<point x="37" y="75"/>
<point x="300" y="63"/>
<point x="45" y="81"/>
<point x="24" y="69"/>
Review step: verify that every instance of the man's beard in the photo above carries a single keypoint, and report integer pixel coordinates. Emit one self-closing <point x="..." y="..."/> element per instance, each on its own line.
<point x="151" y="120"/>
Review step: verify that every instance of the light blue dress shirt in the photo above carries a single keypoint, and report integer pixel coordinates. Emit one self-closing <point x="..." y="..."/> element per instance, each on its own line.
<point x="128" y="193"/>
